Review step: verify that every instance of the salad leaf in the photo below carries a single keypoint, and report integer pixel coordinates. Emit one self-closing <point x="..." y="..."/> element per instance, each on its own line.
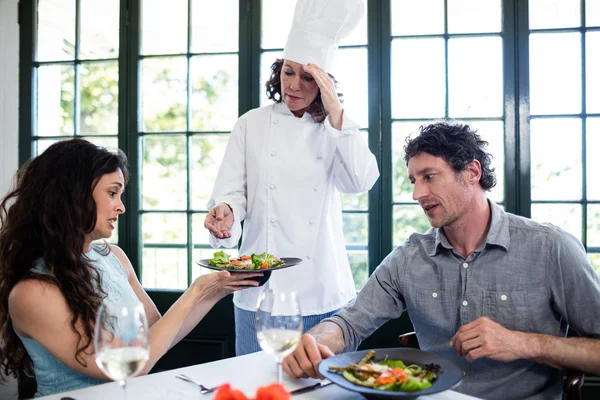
<point x="393" y="363"/>
<point x="412" y="385"/>
<point x="257" y="259"/>
<point x="219" y="258"/>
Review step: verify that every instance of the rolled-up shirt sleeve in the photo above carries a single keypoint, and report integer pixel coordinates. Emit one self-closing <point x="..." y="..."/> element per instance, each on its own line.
<point x="355" y="166"/>
<point x="231" y="185"/>
<point x="574" y="285"/>
<point x="378" y="302"/>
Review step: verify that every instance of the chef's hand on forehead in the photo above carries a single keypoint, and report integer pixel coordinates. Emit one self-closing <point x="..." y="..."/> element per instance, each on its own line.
<point x="329" y="96"/>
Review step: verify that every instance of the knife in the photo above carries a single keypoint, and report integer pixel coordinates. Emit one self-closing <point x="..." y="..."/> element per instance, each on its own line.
<point x="310" y="388"/>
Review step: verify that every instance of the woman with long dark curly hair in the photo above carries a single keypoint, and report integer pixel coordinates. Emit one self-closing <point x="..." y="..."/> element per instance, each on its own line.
<point x="54" y="275"/>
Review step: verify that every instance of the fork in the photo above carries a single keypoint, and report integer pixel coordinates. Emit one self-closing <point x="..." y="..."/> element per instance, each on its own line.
<point x="203" y="389"/>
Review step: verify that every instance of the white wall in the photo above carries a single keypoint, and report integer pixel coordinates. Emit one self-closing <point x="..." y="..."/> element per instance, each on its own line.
<point x="9" y="93"/>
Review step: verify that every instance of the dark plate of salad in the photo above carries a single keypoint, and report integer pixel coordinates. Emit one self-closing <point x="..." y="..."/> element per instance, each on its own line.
<point x="397" y="373"/>
<point x="265" y="263"/>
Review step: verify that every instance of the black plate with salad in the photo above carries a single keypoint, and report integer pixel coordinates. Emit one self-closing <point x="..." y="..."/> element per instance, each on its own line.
<point x="399" y="373"/>
<point x="265" y="263"/>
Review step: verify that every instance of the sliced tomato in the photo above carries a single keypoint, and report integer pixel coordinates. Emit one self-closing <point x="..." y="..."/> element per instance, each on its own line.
<point x="274" y="391"/>
<point x="385" y="379"/>
<point x="225" y="392"/>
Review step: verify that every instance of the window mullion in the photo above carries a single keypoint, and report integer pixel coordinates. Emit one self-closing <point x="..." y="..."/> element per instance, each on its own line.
<point x="128" y="137"/>
<point x="380" y="196"/>
<point x="27" y="74"/>
<point x="249" y="55"/>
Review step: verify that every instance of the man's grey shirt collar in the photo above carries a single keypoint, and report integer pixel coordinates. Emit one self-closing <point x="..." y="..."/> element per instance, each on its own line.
<point x="498" y="233"/>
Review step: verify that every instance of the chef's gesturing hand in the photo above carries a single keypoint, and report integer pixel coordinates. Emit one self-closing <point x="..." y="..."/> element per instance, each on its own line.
<point x="329" y="96"/>
<point x="219" y="221"/>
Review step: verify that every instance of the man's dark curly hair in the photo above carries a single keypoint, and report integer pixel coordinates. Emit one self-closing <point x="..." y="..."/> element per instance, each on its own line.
<point x="457" y="144"/>
<point x="273" y="87"/>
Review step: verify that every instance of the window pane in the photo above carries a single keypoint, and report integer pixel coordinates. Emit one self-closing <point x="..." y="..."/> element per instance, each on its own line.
<point x="409" y="219"/>
<point x="356" y="228"/>
<point x="164" y="79"/>
<point x="99" y="29"/>
<point x="99" y="94"/>
<point x="42" y="144"/>
<point x="164" y="268"/>
<point x="555" y="55"/>
<point x="164" y="172"/>
<point x="474" y="16"/>
<point x="164" y="228"/>
<point x="164" y="26"/>
<point x="593" y="225"/>
<point x="593" y="161"/>
<point x="277" y="17"/>
<point x="545" y="14"/>
<point x="353" y="77"/>
<point x="359" y="264"/>
<point x="592" y="12"/>
<point x="205" y="158"/>
<point x="417" y="17"/>
<point x="214" y="101"/>
<point x="475" y="77"/>
<point x="210" y="34"/>
<point x="55" y="100"/>
<point x="355" y="201"/>
<point x="418" y="88"/>
<point x="565" y="216"/>
<point x="592" y="55"/>
<point x="556" y="162"/>
<point x="493" y="133"/>
<point x="266" y="60"/>
<point x="55" y="30"/>
<point x="112" y="143"/>
<point x="401" y="186"/>
<point x="199" y="232"/>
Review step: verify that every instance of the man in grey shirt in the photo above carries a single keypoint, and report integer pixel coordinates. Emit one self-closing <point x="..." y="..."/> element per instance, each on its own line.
<point x="493" y="291"/>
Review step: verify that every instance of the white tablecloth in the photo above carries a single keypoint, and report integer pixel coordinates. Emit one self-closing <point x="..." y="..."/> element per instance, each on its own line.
<point x="245" y="373"/>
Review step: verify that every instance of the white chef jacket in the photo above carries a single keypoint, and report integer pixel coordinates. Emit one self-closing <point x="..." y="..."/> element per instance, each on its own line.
<point x="282" y="176"/>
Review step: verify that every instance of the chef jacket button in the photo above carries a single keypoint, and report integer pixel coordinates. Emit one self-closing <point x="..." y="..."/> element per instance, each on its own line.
<point x="272" y="187"/>
<point x="310" y="222"/>
<point x="319" y="157"/>
<point x="273" y="220"/>
<point x="316" y="189"/>
<point x="273" y="154"/>
<point x="308" y="257"/>
<point x="275" y="121"/>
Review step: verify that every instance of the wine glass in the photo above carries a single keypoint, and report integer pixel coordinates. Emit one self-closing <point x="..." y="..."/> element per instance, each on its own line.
<point x="278" y="324"/>
<point x="121" y="340"/>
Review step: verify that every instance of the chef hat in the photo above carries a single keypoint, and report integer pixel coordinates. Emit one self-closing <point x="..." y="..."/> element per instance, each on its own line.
<point x="317" y="28"/>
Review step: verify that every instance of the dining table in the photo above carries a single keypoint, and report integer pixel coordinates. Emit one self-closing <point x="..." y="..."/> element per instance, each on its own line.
<point x="246" y="373"/>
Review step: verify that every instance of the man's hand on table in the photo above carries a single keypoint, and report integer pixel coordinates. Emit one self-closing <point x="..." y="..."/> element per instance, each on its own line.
<point x="486" y="338"/>
<point x="305" y="360"/>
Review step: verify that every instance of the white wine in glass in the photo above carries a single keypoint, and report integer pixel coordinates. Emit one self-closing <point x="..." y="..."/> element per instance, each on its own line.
<point x="278" y="324"/>
<point x="121" y="341"/>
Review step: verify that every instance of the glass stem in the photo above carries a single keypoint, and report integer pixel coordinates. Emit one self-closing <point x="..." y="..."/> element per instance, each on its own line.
<point x="279" y="372"/>
<point x="123" y="384"/>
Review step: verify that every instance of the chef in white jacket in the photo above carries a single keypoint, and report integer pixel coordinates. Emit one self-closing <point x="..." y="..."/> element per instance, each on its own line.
<point x="284" y="167"/>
